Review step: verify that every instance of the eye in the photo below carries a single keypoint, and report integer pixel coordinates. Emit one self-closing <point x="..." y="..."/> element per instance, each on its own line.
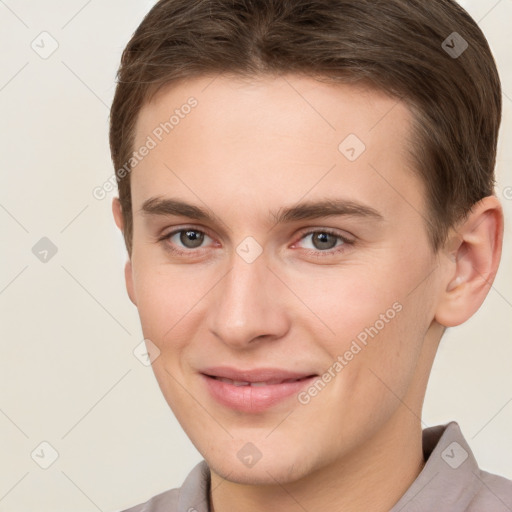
<point x="184" y="240"/>
<point x="324" y="241"/>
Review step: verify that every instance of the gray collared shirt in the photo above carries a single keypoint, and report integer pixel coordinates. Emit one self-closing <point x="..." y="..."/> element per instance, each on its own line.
<point x="450" y="481"/>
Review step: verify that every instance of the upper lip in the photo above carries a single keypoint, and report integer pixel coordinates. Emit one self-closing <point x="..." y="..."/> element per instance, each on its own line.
<point x="255" y="375"/>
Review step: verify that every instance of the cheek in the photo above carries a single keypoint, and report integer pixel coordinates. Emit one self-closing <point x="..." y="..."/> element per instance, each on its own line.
<point x="167" y="303"/>
<point x="371" y="380"/>
<point x="370" y="327"/>
<point x="348" y="303"/>
<point x="164" y="300"/>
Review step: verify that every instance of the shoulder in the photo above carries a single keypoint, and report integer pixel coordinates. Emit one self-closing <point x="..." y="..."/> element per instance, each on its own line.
<point x="451" y="479"/>
<point x="492" y="492"/>
<point x="166" y="501"/>
<point x="193" y="495"/>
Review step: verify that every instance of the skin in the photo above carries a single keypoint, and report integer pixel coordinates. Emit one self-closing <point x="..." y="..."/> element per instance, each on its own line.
<point x="256" y="145"/>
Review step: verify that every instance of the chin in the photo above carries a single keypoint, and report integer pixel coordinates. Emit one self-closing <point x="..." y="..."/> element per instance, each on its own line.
<point x="252" y="476"/>
<point x="262" y="473"/>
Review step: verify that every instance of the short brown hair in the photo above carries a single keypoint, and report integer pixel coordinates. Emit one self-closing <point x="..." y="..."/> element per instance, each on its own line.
<point x="399" y="46"/>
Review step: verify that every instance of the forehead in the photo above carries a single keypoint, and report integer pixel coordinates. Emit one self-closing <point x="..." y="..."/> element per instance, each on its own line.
<point x="265" y="104"/>
<point x="229" y="138"/>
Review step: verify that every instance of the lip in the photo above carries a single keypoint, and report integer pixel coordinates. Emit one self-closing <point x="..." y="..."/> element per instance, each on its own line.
<point x="254" y="399"/>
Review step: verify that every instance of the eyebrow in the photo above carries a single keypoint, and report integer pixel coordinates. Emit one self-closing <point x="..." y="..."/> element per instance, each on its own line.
<point x="307" y="210"/>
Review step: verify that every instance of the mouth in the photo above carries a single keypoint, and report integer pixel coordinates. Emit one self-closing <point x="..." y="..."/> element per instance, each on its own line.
<point x="258" y="383"/>
<point x="254" y="391"/>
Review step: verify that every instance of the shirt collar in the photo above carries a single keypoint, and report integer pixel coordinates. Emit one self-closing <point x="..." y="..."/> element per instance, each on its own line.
<point x="448" y="477"/>
<point x="195" y="490"/>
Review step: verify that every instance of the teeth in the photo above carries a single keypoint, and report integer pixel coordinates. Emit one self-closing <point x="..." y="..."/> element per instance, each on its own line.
<point x="234" y="382"/>
<point x="240" y="383"/>
<point x="254" y="384"/>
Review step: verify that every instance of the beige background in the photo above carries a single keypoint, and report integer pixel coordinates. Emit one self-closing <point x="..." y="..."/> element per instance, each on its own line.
<point x="68" y="375"/>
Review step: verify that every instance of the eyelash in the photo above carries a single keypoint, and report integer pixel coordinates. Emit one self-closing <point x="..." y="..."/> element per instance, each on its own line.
<point x="316" y="253"/>
<point x="330" y="252"/>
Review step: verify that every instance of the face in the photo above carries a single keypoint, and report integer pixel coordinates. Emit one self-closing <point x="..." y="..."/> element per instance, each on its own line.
<point x="280" y="235"/>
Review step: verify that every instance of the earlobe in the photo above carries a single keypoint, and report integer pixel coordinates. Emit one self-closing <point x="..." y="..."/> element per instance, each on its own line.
<point x="118" y="213"/>
<point x="128" y="277"/>
<point x="128" y="271"/>
<point x="473" y="267"/>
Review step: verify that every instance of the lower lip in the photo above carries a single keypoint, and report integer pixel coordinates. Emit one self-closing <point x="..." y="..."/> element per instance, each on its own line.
<point x="250" y="398"/>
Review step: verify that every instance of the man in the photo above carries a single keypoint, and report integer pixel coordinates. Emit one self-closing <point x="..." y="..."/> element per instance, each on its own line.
<point x="306" y="196"/>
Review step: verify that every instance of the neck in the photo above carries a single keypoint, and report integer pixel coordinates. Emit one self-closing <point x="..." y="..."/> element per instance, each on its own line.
<point x="374" y="478"/>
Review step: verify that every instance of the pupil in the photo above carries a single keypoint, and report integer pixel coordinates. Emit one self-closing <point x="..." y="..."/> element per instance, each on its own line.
<point x="191" y="238"/>
<point x="323" y="240"/>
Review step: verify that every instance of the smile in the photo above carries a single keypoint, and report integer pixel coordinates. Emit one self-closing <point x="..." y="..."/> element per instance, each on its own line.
<point x="255" y="396"/>
<point x="255" y="384"/>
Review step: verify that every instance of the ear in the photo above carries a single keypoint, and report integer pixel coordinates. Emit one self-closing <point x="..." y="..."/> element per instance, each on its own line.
<point x="128" y="271"/>
<point x="474" y="252"/>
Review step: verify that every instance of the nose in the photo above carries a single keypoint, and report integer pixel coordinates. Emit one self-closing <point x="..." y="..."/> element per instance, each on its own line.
<point x="249" y="305"/>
